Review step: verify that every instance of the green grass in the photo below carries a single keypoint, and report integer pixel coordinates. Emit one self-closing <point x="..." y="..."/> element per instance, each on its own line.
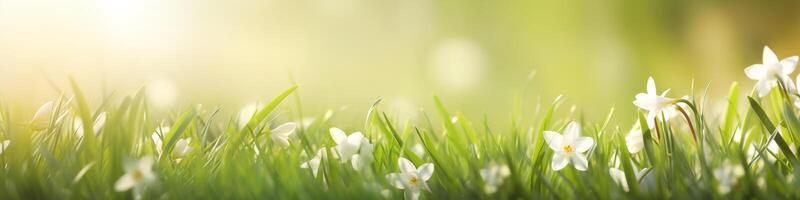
<point x="46" y="163"/>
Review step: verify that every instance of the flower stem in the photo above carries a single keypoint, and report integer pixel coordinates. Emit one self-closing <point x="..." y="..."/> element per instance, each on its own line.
<point x="688" y="121"/>
<point x="658" y="132"/>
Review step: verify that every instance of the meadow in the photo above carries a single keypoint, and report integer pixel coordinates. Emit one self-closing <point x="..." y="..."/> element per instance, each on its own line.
<point x="675" y="149"/>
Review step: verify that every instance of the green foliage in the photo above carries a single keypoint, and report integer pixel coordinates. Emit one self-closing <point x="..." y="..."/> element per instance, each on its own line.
<point x="228" y="162"/>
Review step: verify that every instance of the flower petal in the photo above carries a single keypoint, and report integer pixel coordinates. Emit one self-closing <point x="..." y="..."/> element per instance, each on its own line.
<point x="41" y="118"/>
<point x="356" y="162"/>
<point x="4" y="145"/>
<point x="644" y="101"/>
<point x="426" y="171"/>
<point x="634" y="141"/>
<point x="406" y="166"/>
<point x="651" y="86"/>
<point x="755" y="72"/>
<point x="763" y="87"/>
<point x="788" y="64"/>
<point x="367" y="148"/>
<point x="284" y="129"/>
<point x="583" y="144"/>
<point x="395" y="180"/>
<point x="124" y="183"/>
<point x="619" y="177"/>
<point x="338" y="135"/>
<point x="146" y="163"/>
<point x="553" y="139"/>
<point x="579" y="161"/>
<point x="313" y="164"/>
<point x="355" y="139"/>
<point x="283" y="141"/>
<point x="181" y="148"/>
<point x="572" y="132"/>
<point x="651" y="117"/>
<point x="769" y="56"/>
<point x="157" y="142"/>
<point x="412" y="194"/>
<point x="797" y="83"/>
<point x="559" y="161"/>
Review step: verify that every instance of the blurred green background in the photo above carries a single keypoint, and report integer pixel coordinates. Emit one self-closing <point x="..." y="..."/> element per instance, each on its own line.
<point x="347" y="53"/>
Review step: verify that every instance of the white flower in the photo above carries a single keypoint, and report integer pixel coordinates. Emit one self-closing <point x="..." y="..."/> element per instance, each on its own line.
<point x="364" y="157"/>
<point x="634" y="140"/>
<point x="770" y="70"/>
<point x="652" y="102"/>
<point x="410" y="178"/>
<point x="346" y="145"/>
<point x="99" y="122"/>
<point x="493" y="176"/>
<point x="179" y="151"/>
<point x="42" y="117"/>
<point x="4" y="146"/>
<point x="418" y="149"/>
<point x="569" y="147"/>
<point x="727" y="175"/>
<point x="246" y="113"/>
<point x="314" y="163"/>
<point x="156" y="136"/>
<point x="619" y="176"/>
<point x="281" y="133"/>
<point x="136" y="174"/>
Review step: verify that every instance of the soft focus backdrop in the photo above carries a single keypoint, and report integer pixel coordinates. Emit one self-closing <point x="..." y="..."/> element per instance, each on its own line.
<point x="346" y="53"/>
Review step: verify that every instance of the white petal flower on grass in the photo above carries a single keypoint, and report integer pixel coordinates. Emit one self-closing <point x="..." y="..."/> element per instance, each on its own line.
<point x="4" y="146"/>
<point x="156" y="136"/>
<point x="137" y="174"/>
<point x="728" y="175"/>
<point x="246" y="113"/>
<point x="569" y="147"/>
<point x="653" y="102"/>
<point x="346" y="145"/>
<point x="770" y="70"/>
<point x="364" y="156"/>
<point x="280" y="134"/>
<point x="493" y="176"/>
<point x="634" y="140"/>
<point x="410" y="178"/>
<point x="99" y="123"/>
<point x="41" y="119"/>
<point x="619" y="176"/>
<point x="179" y="151"/>
<point x="314" y="163"/>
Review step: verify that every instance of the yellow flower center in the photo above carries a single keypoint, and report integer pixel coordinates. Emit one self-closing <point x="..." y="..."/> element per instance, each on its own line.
<point x="413" y="180"/>
<point x="137" y="175"/>
<point x="568" y="148"/>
